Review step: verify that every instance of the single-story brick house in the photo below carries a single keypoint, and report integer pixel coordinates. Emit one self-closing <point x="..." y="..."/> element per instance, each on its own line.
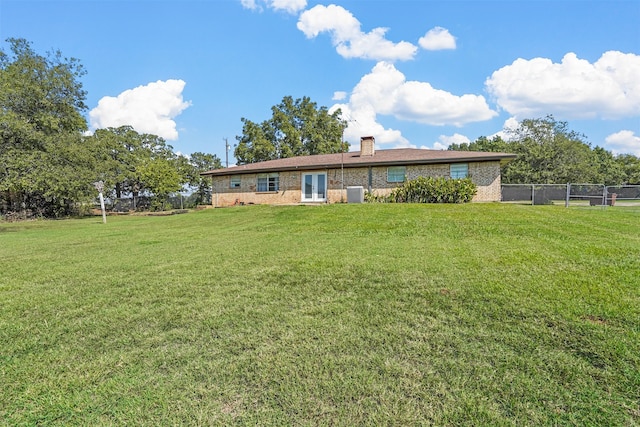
<point x="324" y="178"/>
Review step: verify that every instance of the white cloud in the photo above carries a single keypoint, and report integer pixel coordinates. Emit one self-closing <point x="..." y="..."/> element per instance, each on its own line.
<point x="574" y="88"/>
<point x="510" y="125"/>
<point x="339" y="95"/>
<point x="437" y="38"/>
<point x="348" y="38"/>
<point x="363" y="122"/>
<point x="148" y="109"/>
<point x="250" y="4"/>
<point x="624" y="142"/>
<point x="445" y="141"/>
<point x="289" y="6"/>
<point x="388" y="92"/>
<point x="385" y="91"/>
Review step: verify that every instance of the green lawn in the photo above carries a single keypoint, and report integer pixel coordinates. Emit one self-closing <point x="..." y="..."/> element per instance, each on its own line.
<point x="478" y="314"/>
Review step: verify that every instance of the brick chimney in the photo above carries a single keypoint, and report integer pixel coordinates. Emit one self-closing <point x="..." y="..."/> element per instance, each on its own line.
<point x="367" y="146"/>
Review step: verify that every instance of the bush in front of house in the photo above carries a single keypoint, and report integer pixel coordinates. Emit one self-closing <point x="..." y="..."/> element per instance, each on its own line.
<point x="372" y="197"/>
<point x="434" y="190"/>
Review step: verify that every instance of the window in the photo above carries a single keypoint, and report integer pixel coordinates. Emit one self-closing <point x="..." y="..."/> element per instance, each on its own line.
<point x="234" y="182"/>
<point x="396" y="173"/>
<point x="268" y="182"/>
<point x="459" y="170"/>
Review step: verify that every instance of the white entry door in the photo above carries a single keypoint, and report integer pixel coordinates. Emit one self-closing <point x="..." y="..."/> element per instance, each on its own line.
<point x="314" y="187"/>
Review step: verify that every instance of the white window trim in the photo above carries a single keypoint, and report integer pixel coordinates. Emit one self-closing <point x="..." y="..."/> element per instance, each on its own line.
<point x="270" y="178"/>
<point x="404" y="173"/>
<point x="458" y="166"/>
<point x="235" y="181"/>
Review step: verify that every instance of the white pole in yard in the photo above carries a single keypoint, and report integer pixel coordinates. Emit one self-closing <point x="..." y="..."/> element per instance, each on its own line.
<point x="100" y="186"/>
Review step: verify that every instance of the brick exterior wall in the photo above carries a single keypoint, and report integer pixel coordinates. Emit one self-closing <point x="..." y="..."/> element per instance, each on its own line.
<point x="486" y="175"/>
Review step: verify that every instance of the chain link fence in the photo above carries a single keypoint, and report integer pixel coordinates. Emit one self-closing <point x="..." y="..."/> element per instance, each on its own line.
<point x="571" y="194"/>
<point x="625" y="194"/>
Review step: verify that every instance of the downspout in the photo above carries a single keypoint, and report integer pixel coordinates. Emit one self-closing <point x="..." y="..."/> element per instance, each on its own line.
<point x="370" y="179"/>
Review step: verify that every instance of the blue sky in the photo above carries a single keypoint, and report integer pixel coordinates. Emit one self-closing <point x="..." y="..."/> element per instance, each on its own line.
<point x="415" y="73"/>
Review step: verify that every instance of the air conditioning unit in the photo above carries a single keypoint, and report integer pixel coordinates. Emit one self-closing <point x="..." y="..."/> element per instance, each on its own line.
<point x="355" y="194"/>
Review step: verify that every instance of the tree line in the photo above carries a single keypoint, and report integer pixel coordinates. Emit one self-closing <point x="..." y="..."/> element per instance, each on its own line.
<point x="47" y="162"/>
<point x="548" y="152"/>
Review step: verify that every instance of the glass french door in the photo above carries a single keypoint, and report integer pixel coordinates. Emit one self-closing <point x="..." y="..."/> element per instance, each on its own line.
<point x="314" y="187"/>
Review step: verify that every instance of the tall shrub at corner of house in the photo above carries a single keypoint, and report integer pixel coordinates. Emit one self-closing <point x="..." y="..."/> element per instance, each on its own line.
<point x="434" y="190"/>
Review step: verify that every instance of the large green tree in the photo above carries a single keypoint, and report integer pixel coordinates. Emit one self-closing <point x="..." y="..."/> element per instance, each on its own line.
<point x="607" y="169"/>
<point x="630" y="166"/>
<point x="197" y="163"/>
<point x="119" y="151"/>
<point x="296" y="128"/>
<point x="44" y="166"/>
<point x="160" y="178"/>
<point x="549" y="153"/>
<point x="132" y="163"/>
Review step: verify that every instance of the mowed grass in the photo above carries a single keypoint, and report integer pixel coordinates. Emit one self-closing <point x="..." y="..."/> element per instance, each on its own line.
<point x="479" y="314"/>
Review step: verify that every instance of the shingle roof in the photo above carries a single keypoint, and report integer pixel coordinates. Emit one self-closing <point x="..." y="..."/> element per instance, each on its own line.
<point x="392" y="157"/>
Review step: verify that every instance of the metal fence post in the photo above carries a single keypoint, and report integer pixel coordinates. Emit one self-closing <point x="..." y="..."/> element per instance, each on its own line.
<point x="533" y="195"/>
